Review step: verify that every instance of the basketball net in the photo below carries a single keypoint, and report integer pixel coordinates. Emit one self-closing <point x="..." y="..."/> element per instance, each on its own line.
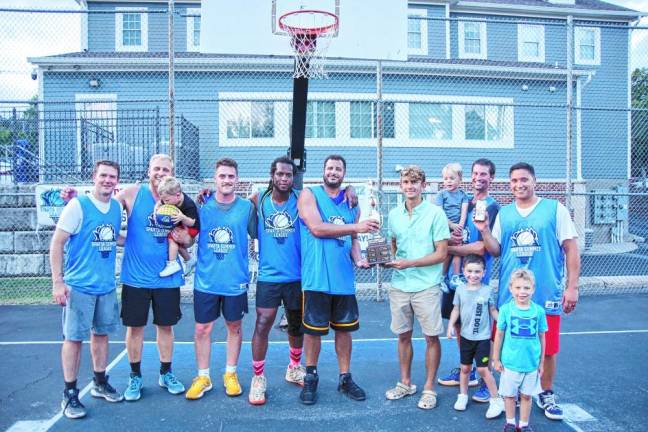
<point x="311" y="32"/>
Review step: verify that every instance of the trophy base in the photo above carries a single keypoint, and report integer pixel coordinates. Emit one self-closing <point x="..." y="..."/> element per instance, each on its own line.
<point x="378" y="251"/>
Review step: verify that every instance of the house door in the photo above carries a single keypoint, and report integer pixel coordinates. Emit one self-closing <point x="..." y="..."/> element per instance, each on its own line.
<point x="96" y="130"/>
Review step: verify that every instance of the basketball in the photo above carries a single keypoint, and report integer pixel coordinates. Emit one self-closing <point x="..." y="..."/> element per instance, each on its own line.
<point x="525" y="239"/>
<point x="106" y="233"/>
<point x="164" y="214"/>
<point x="281" y="221"/>
<point x="222" y="236"/>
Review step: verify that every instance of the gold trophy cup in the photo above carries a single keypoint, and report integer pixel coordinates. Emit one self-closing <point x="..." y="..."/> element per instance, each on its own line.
<point x="378" y="250"/>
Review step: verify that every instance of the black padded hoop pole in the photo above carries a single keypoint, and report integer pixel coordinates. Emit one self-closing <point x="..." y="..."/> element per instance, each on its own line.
<point x="297" y="150"/>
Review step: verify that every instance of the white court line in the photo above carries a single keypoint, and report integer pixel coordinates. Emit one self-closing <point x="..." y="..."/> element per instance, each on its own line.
<point x="47" y="424"/>
<point x="391" y="339"/>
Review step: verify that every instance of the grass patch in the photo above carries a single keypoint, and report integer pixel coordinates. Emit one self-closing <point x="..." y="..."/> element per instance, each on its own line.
<point x="25" y="290"/>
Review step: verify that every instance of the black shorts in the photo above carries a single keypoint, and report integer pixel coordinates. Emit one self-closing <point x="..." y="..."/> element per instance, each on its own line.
<point x="446" y="304"/>
<point x="271" y="294"/>
<point x="136" y="303"/>
<point x="474" y="350"/>
<point x="208" y="307"/>
<point x="323" y="310"/>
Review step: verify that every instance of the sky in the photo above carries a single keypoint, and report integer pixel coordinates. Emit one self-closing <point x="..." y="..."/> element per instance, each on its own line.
<point x="25" y="35"/>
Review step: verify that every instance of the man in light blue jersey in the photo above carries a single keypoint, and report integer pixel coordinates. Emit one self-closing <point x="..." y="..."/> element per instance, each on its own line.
<point x="537" y="234"/>
<point x="222" y="276"/>
<point x="85" y="285"/>
<point x="330" y="248"/>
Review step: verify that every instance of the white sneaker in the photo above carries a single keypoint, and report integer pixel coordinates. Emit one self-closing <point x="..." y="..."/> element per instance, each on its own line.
<point x="171" y="268"/>
<point x="189" y="265"/>
<point x="257" y="390"/>
<point x="462" y="402"/>
<point x="495" y="408"/>
<point x="296" y="375"/>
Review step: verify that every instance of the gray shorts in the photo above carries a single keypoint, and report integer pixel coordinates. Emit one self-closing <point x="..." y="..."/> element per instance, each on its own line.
<point x="512" y="383"/>
<point x="84" y="312"/>
<point x="424" y="305"/>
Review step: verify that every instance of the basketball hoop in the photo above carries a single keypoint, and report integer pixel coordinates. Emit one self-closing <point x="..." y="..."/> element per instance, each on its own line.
<point x="310" y="32"/>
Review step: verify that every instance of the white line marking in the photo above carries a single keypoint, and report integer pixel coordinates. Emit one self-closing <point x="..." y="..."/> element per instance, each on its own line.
<point x="391" y="339"/>
<point x="45" y="425"/>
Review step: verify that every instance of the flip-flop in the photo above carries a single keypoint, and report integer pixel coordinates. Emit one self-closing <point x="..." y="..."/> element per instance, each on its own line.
<point x="428" y="400"/>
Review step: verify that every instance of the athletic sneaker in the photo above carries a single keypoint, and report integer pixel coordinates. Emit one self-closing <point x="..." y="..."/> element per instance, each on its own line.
<point x="199" y="386"/>
<point x="547" y="401"/>
<point x="452" y="379"/>
<point x="508" y="427"/>
<point x="495" y="408"/>
<point x="171" y="383"/>
<point x="257" y="390"/>
<point x="134" y="390"/>
<point x="482" y="394"/>
<point x="308" y="395"/>
<point x="347" y="386"/>
<point x="106" y="391"/>
<point x="171" y="267"/>
<point x="231" y="383"/>
<point x="462" y="402"/>
<point x="71" y="405"/>
<point x="296" y="375"/>
<point x="526" y="428"/>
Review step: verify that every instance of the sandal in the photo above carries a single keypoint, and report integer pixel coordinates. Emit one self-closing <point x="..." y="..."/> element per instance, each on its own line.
<point x="428" y="400"/>
<point x="400" y="391"/>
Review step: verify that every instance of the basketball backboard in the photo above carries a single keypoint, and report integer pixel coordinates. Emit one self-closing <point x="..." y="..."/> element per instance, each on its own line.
<point x="368" y="29"/>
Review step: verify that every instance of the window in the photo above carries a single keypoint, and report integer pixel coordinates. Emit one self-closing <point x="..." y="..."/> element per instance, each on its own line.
<point x="193" y="29"/>
<point x="364" y="119"/>
<point x="587" y="45"/>
<point x="430" y="121"/>
<point x="472" y="40"/>
<point x="131" y="29"/>
<point x="320" y="119"/>
<point x="484" y="122"/>
<point x="249" y="119"/>
<point x="531" y="43"/>
<point x="417" y="33"/>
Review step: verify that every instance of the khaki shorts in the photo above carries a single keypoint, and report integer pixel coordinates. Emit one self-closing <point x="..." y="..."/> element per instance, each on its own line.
<point x="424" y="305"/>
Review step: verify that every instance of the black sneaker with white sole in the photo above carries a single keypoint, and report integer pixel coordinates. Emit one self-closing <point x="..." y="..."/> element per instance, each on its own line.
<point x="106" y="391"/>
<point x="350" y="388"/>
<point x="71" y="405"/>
<point x="308" y="395"/>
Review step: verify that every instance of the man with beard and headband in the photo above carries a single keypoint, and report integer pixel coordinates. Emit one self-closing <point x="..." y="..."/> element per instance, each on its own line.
<point x="330" y="248"/>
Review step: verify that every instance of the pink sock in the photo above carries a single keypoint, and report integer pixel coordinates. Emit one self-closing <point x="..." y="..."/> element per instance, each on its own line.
<point x="258" y="367"/>
<point x="295" y="356"/>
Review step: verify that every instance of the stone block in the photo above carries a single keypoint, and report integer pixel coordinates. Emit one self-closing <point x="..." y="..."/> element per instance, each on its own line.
<point x="32" y="241"/>
<point x="22" y="265"/>
<point x="18" y="219"/>
<point x="6" y="242"/>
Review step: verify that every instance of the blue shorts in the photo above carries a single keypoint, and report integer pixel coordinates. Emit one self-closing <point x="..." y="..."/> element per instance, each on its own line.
<point x="85" y="312"/>
<point x="208" y="307"/>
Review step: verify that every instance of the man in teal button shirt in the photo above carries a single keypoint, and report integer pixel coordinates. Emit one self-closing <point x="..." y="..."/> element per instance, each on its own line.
<point x="419" y="234"/>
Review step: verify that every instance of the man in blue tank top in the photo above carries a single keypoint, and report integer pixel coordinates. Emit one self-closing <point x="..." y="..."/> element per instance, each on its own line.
<point x="482" y="175"/>
<point x="537" y="234"/>
<point x="86" y="285"/>
<point x="329" y="249"/>
<point x="222" y="276"/>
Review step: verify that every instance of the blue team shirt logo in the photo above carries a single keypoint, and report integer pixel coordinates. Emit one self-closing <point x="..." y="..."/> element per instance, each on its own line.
<point x="104" y="239"/>
<point x="524" y="327"/>
<point x="159" y="226"/>
<point x="221" y="241"/>
<point x="280" y="225"/>
<point x="525" y="243"/>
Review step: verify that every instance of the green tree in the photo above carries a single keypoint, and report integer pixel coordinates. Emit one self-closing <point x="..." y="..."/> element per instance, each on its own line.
<point x="639" y="88"/>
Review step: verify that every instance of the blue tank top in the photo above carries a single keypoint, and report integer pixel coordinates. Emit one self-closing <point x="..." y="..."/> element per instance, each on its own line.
<point x="91" y="253"/>
<point x="222" y="267"/>
<point x="146" y="250"/>
<point x="531" y="243"/>
<point x="279" y="242"/>
<point x="326" y="262"/>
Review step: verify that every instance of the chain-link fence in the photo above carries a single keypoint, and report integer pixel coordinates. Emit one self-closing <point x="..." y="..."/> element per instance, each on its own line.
<point x="568" y="94"/>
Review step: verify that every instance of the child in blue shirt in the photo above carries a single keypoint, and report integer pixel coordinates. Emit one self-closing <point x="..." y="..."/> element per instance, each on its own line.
<point x="519" y="348"/>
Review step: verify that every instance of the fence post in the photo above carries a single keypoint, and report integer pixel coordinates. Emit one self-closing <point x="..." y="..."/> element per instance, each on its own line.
<point x="171" y="13"/>
<point x="570" y="106"/>
<point x="379" y="159"/>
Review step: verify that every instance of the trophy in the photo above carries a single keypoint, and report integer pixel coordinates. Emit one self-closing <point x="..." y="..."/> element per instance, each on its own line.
<point x="378" y="250"/>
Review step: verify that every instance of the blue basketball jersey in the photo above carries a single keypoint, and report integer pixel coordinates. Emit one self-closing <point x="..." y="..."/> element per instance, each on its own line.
<point x="146" y="250"/>
<point x="326" y="262"/>
<point x="531" y="243"/>
<point x="279" y="240"/>
<point x="222" y="267"/>
<point x="90" y="253"/>
<point x="472" y="234"/>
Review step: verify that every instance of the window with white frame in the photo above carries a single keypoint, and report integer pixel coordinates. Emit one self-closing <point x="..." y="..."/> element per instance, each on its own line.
<point x="417" y="32"/>
<point x="587" y="45"/>
<point x="430" y="121"/>
<point x="193" y="29"/>
<point x="472" y="40"/>
<point x="131" y="29"/>
<point x="531" y="43"/>
<point x="364" y="119"/>
<point x="484" y="122"/>
<point x="249" y="119"/>
<point x="320" y="119"/>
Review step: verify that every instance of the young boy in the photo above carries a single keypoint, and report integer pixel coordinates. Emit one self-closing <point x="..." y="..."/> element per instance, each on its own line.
<point x="170" y="192"/>
<point x="473" y="303"/>
<point x="520" y="344"/>
<point x="454" y="202"/>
